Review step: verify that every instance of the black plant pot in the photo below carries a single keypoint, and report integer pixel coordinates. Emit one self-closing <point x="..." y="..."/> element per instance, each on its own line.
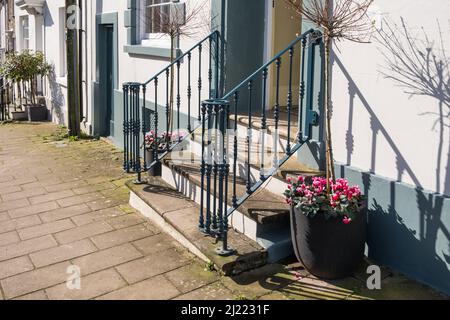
<point x="36" y="112"/>
<point x="155" y="170"/>
<point x="328" y="249"/>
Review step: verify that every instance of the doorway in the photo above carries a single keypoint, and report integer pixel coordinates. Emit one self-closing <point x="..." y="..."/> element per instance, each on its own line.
<point x="283" y="27"/>
<point x="106" y="75"/>
<point x="108" y="81"/>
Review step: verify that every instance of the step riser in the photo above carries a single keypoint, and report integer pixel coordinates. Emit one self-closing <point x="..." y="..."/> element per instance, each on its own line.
<point x="148" y="212"/>
<point x="238" y="221"/>
<point x="281" y="144"/>
<point x="274" y="185"/>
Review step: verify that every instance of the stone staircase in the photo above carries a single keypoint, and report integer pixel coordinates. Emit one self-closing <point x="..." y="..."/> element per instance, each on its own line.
<point x="259" y="227"/>
<point x="244" y="188"/>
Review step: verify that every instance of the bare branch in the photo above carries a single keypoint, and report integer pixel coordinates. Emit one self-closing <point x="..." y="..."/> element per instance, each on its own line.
<point x="340" y="19"/>
<point x="417" y="64"/>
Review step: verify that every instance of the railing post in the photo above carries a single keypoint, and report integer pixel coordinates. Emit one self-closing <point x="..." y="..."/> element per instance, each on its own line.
<point x="144" y="123"/>
<point x="137" y="133"/>
<point x="301" y="92"/>
<point x="201" y="224"/>
<point x="311" y="116"/>
<point x="157" y="167"/>
<point x="208" y="165"/>
<point x="126" y="129"/>
<point x="224" y="172"/>
<point x="2" y="104"/>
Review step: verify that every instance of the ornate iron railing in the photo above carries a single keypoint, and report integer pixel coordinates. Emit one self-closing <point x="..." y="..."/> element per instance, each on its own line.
<point x="221" y="115"/>
<point x="138" y="121"/>
<point x="6" y="92"/>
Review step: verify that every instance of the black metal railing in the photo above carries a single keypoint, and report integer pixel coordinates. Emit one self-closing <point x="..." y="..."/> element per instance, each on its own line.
<point x="6" y="91"/>
<point x="167" y="96"/>
<point x="219" y="119"/>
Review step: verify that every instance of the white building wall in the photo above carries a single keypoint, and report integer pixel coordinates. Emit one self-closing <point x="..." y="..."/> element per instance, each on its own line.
<point x="2" y="27"/>
<point x="408" y="146"/>
<point x="47" y="37"/>
<point x="134" y="68"/>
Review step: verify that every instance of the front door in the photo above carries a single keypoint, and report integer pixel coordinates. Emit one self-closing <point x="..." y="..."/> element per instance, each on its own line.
<point x="109" y="84"/>
<point x="285" y="26"/>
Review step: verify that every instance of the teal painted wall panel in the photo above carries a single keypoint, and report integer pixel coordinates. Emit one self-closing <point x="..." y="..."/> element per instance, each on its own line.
<point x="408" y="228"/>
<point x="244" y="32"/>
<point x="118" y="113"/>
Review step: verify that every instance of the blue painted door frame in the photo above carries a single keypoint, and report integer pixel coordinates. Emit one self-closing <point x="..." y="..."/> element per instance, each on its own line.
<point x="106" y="111"/>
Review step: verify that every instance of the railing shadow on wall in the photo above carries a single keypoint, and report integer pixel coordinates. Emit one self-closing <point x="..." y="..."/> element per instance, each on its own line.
<point x="391" y="241"/>
<point x="57" y="98"/>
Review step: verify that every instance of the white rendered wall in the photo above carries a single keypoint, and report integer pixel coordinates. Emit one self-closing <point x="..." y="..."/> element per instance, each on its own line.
<point x="141" y="68"/>
<point x="407" y="146"/>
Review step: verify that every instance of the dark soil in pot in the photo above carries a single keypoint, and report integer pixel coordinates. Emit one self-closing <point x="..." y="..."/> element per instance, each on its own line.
<point x="328" y="249"/>
<point x="36" y="112"/>
<point x="156" y="170"/>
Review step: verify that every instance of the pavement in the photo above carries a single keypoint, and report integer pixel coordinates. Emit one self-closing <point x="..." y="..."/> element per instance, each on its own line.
<point x="67" y="232"/>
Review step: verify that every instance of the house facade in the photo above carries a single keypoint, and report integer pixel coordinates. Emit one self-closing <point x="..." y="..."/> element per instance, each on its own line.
<point x="393" y="143"/>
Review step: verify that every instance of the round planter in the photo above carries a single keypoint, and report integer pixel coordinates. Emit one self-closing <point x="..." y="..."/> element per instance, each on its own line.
<point x="328" y="249"/>
<point x="36" y="112"/>
<point x="156" y="170"/>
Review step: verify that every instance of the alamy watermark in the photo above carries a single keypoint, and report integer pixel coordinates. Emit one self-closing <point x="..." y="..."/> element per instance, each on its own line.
<point x="73" y="17"/>
<point x="374" y="279"/>
<point x="74" y="280"/>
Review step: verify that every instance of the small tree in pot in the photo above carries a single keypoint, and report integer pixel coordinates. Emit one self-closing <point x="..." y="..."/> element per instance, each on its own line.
<point x="329" y="247"/>
<point x="23" y="69"/>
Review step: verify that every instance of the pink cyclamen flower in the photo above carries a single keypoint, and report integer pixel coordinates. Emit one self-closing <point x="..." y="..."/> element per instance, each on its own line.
<point x="289" y="180"/>
<point x="347" y="220"/>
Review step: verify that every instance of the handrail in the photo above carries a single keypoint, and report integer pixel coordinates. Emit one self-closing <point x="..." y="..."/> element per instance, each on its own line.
<point x="221" y="174"/>
<point x="134" y="127"/>
<point x="181" y="57"/>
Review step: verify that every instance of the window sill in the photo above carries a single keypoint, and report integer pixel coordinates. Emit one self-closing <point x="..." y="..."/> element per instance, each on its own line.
<point x="62" y="81"/>
<point x="161" y="52"/>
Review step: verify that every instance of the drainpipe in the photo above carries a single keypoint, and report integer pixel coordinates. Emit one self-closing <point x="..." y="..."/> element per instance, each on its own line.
<point x="80" y="60"/>
<point x="74" y="96"/>
<point x="86" y="66"/>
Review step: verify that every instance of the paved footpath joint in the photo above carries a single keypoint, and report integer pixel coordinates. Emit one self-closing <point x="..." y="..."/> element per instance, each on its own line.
<point x="64" y="208"/>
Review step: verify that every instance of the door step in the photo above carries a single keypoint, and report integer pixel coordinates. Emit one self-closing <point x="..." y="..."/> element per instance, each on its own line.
<point x="178" y="216"/>
<point x="263" y="218"/>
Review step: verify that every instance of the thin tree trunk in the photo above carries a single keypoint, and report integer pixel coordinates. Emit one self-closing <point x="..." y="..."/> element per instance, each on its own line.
<point x="172" y="80"/>
<point x="327" y="104"/>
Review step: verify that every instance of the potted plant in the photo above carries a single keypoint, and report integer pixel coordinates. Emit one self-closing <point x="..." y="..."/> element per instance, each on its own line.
<point x="10" y="69"/>
<point x="23" y="69"/>
<point x="328" y="228"/>
<point x="328" y="222"/>
<point x="36" y="66"/>
<point x="162" y="143"/>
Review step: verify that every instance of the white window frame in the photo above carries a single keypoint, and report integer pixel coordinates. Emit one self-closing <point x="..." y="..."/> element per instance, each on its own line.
<point x="153" y="39"/>
<point x="25" y="41"/>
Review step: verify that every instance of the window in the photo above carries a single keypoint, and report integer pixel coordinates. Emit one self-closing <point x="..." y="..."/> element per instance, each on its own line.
<point x="155" y="16"/>
<point x="62" y="43"/>
<point x="25" y="28"/>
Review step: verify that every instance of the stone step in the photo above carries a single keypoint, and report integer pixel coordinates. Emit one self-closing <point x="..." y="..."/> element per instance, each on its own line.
<point x="256" y="123"/>
<point x="263" y="206"/>
<point x="179" y="216"/>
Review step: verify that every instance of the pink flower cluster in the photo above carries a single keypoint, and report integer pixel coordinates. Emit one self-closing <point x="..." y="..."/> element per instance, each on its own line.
<point x="341" y="188"/>
<point x="343" y="199"/>
<point x="302" y="189"/>
<point x="151" y="139"/>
